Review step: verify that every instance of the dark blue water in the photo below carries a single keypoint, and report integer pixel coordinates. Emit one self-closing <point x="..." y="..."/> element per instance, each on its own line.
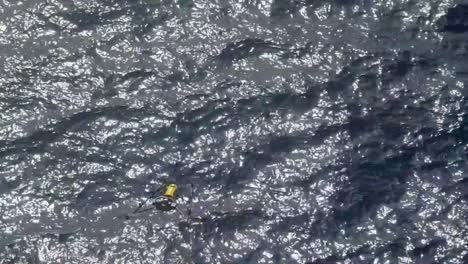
<point x="298" y="131"/>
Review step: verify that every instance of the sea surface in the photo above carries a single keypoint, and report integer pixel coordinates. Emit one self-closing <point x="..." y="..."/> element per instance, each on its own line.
<point x="297" y="131"/>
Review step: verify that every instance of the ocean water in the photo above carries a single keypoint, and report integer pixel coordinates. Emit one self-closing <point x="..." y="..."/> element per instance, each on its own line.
<point x="297" y="131"/>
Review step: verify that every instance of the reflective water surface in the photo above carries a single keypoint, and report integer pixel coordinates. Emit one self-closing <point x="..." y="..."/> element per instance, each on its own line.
<point x="298" y="131"/>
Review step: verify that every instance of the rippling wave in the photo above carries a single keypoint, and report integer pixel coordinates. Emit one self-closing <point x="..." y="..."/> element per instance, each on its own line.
<point x="298" y="131"/>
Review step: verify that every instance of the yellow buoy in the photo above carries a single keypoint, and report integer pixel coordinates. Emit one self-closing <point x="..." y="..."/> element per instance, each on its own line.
<point x="170" y="191"/>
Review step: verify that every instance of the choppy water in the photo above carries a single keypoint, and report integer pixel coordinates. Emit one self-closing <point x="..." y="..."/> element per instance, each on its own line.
<point x="298" y="131"/>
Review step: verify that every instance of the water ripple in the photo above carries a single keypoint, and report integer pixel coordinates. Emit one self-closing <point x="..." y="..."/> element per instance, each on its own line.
<point x="297" y="131"/>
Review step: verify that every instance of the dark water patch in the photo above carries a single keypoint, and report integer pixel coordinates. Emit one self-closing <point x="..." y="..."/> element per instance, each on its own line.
<point x="350" y="256"/>
<point x="427" y="253"/>
<point x="186" y="124"/>
<point x="38" y="140"/>
<point x="283" y="8"/>
<point x="371" y="186"/>
<point x="401" y="67"/>
<point x="459" y="186"/>
<point x="456" y="20"/>
<point x="247" y="48"/>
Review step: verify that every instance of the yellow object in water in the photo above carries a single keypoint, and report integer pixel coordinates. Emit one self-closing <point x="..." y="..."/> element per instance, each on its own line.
<point x="171" y="191"/>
